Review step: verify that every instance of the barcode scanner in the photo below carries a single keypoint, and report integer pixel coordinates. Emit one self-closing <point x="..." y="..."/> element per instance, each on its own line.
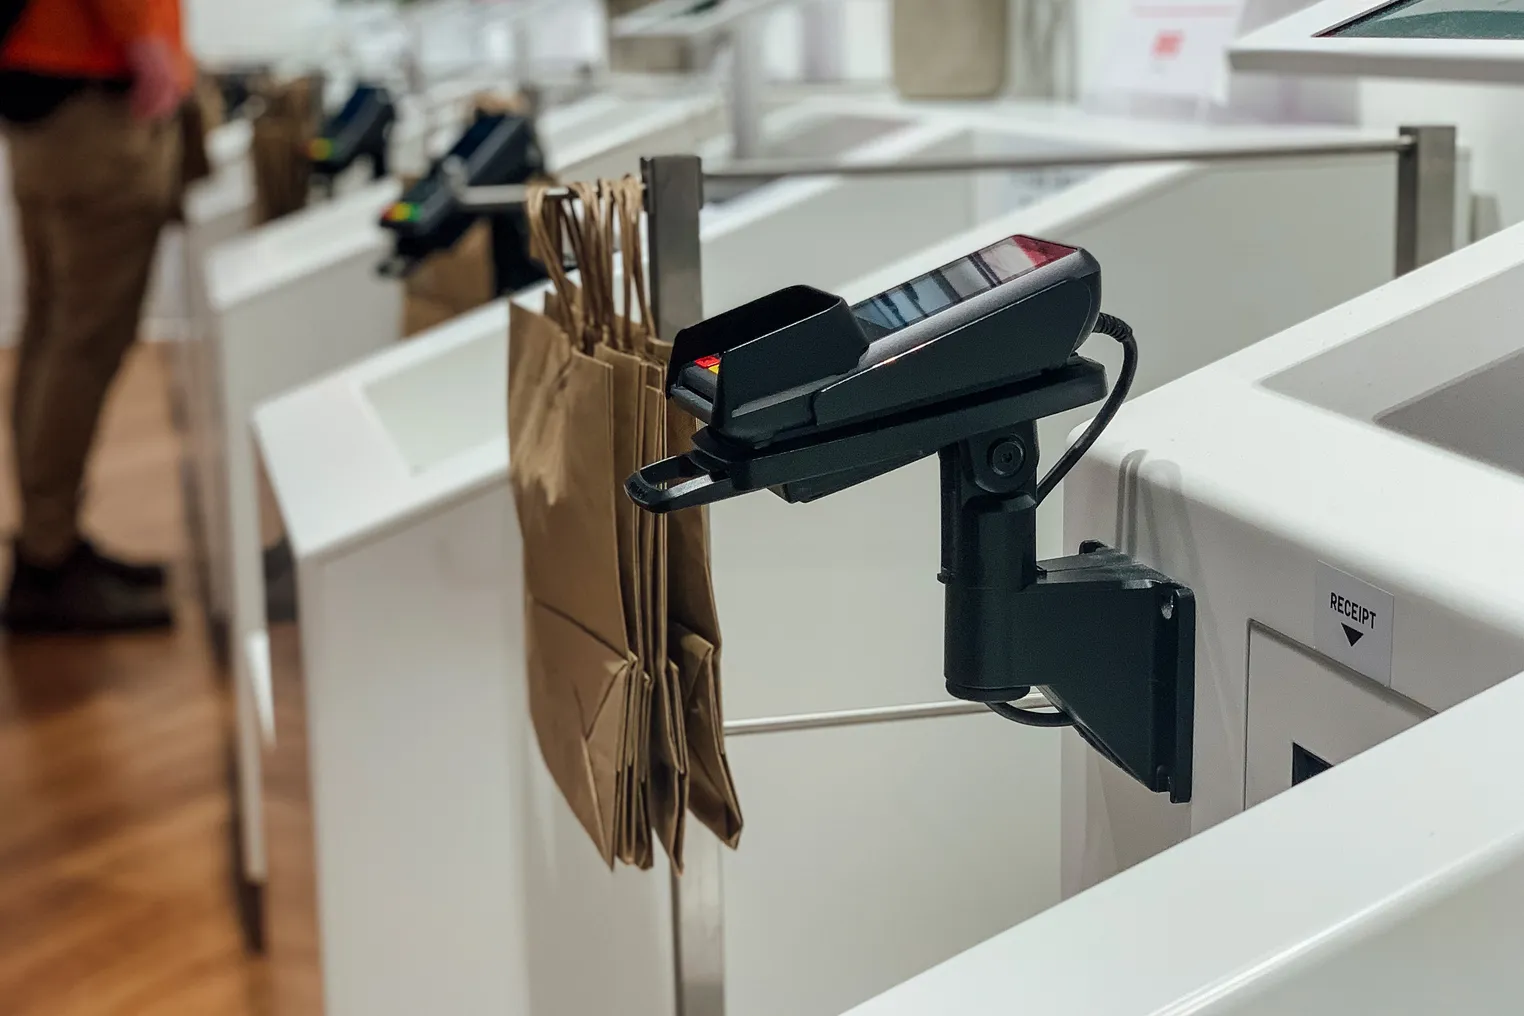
<point x="361" y="129"/>
<point x="805" y="396"/>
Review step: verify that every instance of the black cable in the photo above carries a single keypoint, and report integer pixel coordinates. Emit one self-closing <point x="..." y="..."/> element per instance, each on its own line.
<point x="1030" y="718"/>
<point x="1105" y="324"/>
<point x="1120" y="330"/>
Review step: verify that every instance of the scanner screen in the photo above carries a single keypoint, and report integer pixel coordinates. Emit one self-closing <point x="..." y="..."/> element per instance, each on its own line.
<point x="1438" y="19"/>
<point x="356" y="102"/>
<point x="954" y="283"/>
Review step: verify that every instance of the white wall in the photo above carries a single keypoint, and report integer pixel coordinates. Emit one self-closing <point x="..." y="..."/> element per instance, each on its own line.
<point x="1491" y="122"/>
<point x="235" y="30"/>
<point x="1489" y="117"/>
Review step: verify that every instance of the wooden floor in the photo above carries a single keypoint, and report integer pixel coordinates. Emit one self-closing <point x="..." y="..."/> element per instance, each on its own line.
<point x="115" y="892"/>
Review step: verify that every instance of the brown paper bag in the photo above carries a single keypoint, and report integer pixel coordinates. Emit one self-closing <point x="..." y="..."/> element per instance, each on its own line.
<point x="694" y="645"/>
<point x="283" y="133"/>
<point x="195" y="163"/>
<point x="450" y="283"/>
<point x="623" y="638"/>
<point x="587" y="691"/>
<point x="582" y="671"/>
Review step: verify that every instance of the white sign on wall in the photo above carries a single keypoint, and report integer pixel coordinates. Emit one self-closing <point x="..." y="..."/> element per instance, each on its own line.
<point x="1178" y="50"/>
<point x="1352" y="622"/>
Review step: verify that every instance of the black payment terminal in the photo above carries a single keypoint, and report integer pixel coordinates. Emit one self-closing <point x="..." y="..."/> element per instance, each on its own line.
<point x="805" y="396"/>
<point x="1010" y="311"/>
<point x="495" y="149"/>
<point x="361" y="129"/>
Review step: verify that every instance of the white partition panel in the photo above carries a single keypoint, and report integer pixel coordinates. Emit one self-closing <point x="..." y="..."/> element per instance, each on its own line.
<point x="1367" y="455"/>
<point x="1393" y="884"/>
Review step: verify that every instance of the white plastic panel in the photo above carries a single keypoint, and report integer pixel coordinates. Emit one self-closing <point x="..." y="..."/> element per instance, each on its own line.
<point x="1475" y="415"/>
<point x="425" y="431"/>
<point x="1300" y="699"/>
<point x="873" y="853"/>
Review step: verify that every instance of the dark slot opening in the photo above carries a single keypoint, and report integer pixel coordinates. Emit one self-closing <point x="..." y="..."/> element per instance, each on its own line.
<point x="1305" y="765"/>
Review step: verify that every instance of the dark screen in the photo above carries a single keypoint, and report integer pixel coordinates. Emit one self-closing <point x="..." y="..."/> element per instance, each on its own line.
<point x="478" y="132"/>
<point x="469" y="142"/>
<point x="1438" y="19"/>
<point x="954" y="283"/>
<point x="356" y="102"/>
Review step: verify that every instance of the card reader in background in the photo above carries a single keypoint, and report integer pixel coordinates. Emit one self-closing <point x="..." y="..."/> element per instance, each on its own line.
<point x="361" y="130"/>
<point x="496" y="149"/>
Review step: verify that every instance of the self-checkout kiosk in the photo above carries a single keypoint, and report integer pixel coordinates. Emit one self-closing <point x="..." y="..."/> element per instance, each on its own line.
<point x="312" y="293"/>
<point x="371" y="480"/>
<point x="1342" y="610"/>
<point x="1342" y="500"/>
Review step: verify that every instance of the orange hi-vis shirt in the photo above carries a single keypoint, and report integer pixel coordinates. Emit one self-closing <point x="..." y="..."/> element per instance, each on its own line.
<point x="89" y="38"/>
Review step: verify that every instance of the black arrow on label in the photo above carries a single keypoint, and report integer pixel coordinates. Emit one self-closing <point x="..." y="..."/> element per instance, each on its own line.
<point x="1352" y="634"/>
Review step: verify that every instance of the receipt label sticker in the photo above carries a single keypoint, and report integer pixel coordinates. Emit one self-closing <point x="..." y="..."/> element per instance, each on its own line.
<point x="1352" y="622"/>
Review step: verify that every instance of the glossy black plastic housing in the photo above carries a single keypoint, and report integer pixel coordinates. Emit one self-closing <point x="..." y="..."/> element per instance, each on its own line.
<point x="776" y="351"/>
<point x="811" y="466"/>
<point x="361" y="129"/>
<point x="797" y="362"/>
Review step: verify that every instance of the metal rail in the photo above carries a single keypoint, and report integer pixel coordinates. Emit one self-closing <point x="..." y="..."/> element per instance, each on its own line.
<point x="770" y="169"/>
<point x="493" y="199"/>
<point x="1425" y="208"/>
<point x="869" y="717"/>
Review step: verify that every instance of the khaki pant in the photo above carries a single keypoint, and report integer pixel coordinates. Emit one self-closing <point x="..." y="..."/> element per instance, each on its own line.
<point x="93" y="189"/>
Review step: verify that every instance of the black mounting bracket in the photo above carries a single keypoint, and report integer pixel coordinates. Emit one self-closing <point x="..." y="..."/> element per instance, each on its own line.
<point x="1108" y="640"/>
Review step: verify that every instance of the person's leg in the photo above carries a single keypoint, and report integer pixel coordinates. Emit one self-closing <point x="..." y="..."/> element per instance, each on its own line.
<point x="101" y="266"/>
<point x="97" y="189"/>
<point x="39" y="288"/>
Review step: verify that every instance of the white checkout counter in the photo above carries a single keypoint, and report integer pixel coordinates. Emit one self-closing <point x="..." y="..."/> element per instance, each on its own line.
<point x="1368" y="456"/>
<point x="393" y="684"/>
<point x="1392" y="884"/>
<point x="1344" y="499"/>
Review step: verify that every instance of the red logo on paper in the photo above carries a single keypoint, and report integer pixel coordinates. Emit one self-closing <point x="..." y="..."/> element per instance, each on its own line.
<point x="1167" y="44"/>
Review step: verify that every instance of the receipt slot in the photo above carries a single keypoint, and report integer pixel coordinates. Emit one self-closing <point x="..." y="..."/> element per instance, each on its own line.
<point x="496" y="149"/>
<point x="806" y="396"/>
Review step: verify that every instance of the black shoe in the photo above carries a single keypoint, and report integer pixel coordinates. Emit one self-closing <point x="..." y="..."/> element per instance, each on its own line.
<point x="82" y="595"/>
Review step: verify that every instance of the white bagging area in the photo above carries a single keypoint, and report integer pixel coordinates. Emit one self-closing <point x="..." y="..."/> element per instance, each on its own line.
<point x="1368" y="456"/>
<point x="1344" y="499"/>
<point x="390" y="480"/>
